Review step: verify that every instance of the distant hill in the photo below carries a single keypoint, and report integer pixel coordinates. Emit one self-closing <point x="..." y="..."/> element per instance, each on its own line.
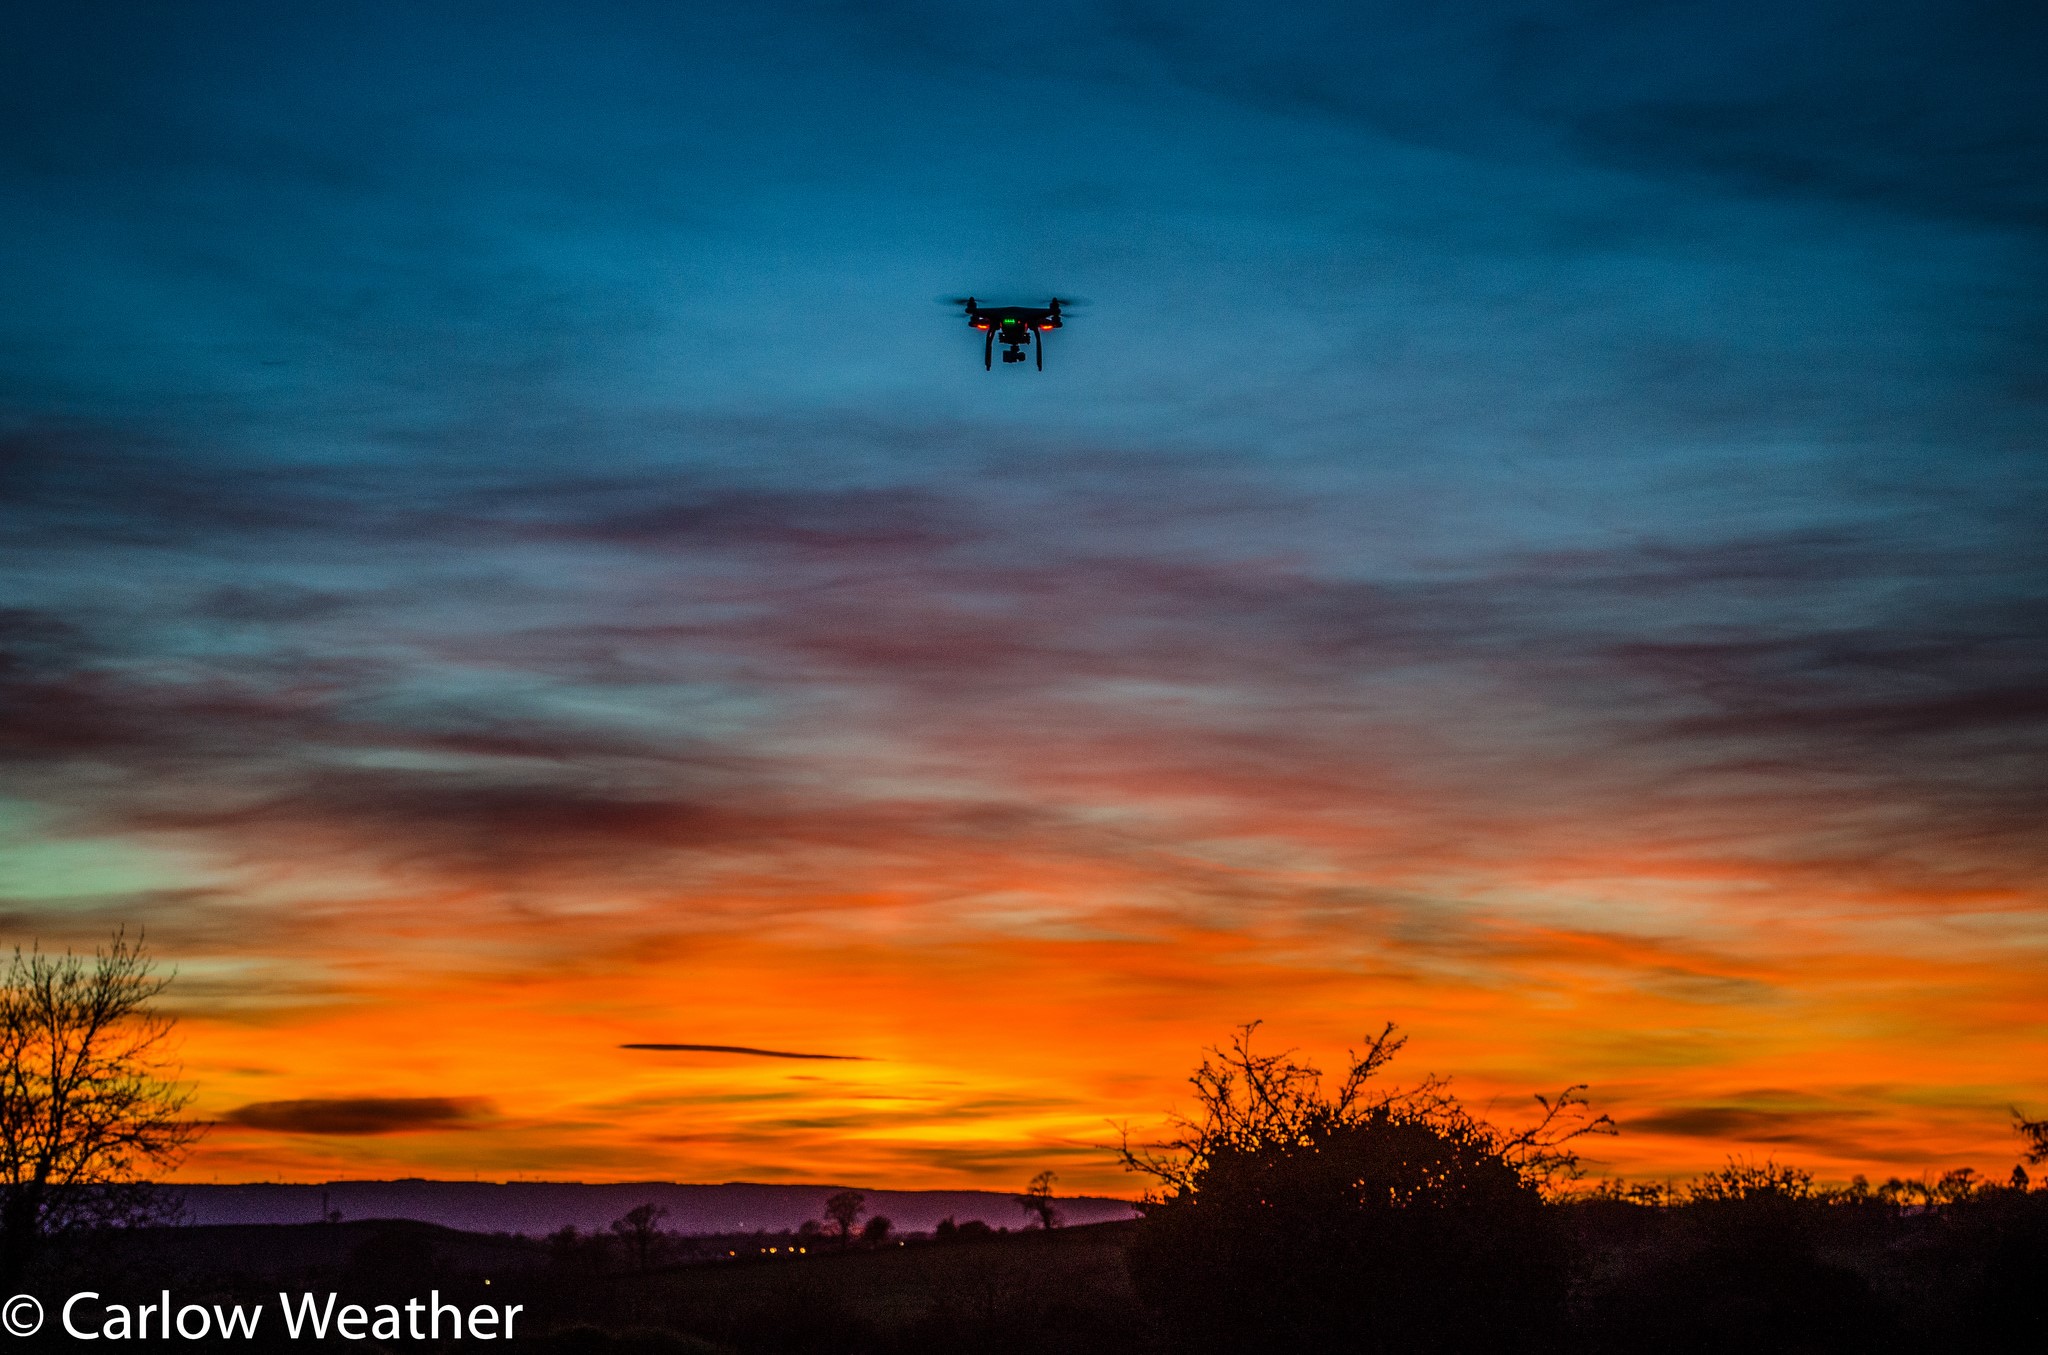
<point x="540" y="1207"/>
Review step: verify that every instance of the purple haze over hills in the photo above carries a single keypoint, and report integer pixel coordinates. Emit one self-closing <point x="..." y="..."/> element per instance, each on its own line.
<point x="540" y="1207"/>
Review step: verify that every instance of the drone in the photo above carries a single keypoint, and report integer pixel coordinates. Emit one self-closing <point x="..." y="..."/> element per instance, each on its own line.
<point x="1017" y="327"/>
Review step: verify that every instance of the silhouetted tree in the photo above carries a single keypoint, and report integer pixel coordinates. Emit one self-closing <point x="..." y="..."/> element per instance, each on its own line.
<point x="876" y="1231"/>
<point x="640" y="1229"/>
<point x="89" y="1101"/>
<point x="1357" y="1219"/>
<point x="1956" y="1186"/>
<point x="845" y="1209"/>
<point x="2035" y="1135"/>
<point x="1904" y="1194"/>
<point x="1037" y="1199"/>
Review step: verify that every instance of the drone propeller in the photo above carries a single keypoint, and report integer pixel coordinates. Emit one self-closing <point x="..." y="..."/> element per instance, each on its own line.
<point x="1064" y="302"/>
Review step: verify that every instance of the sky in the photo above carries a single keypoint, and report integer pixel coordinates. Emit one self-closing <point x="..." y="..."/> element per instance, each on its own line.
<point x="1536" y="537"/>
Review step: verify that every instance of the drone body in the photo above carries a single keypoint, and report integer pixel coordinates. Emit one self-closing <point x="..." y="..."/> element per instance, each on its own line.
<point x="1016" y="327"/>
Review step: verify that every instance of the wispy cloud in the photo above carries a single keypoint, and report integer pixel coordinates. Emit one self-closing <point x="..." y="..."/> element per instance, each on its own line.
<point x="743" y="1050"/>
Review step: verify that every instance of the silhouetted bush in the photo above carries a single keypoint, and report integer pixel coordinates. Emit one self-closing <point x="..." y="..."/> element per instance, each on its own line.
<point x="1381" y="1236"/>
<point x="1354" y="1221"/>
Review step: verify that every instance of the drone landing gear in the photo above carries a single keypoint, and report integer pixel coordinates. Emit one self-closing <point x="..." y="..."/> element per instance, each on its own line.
<point x="1013" y="347"/>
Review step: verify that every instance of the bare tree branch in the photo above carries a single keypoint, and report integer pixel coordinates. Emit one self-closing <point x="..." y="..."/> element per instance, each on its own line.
<point x="2035" y="1133"/>
<point x="1249" y="1101"/>
<point x="90" y="1102"/>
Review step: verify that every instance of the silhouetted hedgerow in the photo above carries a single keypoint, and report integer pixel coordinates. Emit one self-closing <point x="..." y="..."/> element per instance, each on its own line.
<point x="1299" y="1219"/>
<point x="1737" y="1268"/>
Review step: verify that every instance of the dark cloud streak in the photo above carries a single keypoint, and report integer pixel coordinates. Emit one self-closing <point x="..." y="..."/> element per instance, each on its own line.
<point x="744" y="1050"/>
<point x="360" y="1115"/>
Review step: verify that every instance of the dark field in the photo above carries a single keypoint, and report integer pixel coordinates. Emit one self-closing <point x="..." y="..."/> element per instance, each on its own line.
<point x="1825" y="1278"/>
